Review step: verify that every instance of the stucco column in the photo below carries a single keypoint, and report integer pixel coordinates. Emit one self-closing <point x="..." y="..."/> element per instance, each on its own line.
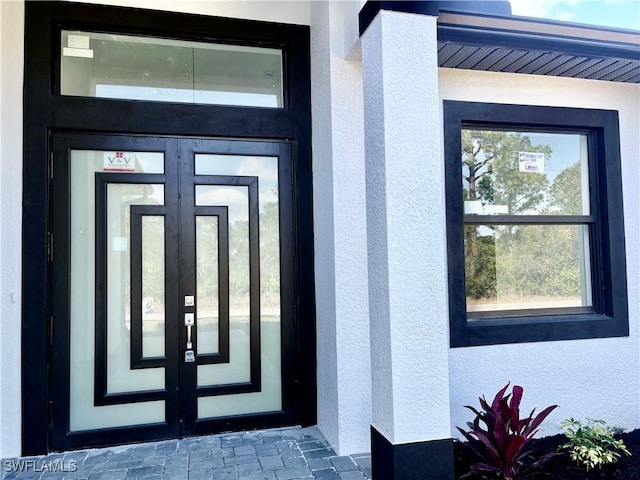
<point x="343" y="372"/>
<point x="411" y="432"/>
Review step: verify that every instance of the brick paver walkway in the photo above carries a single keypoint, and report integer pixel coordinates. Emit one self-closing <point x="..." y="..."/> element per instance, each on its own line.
<point x="280" y="454"/>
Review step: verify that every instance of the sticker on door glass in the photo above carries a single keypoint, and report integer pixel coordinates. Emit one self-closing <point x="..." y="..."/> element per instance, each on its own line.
<point x="119" y="162"/>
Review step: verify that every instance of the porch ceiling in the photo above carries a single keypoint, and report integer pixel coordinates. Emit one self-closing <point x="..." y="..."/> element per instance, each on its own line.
<point x="523" y="45"/>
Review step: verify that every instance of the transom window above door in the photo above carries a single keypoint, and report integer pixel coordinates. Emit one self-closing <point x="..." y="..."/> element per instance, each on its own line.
<point x="129" y="67"/>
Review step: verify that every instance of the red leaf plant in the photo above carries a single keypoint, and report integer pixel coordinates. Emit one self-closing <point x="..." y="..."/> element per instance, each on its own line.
<point x="501" y="438"/>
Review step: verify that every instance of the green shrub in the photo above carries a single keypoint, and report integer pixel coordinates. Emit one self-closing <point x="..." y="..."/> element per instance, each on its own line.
<point x="592" y="445"/>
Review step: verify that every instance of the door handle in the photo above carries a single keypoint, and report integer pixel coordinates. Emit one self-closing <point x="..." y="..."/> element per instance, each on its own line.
<point x="189" y="322"/>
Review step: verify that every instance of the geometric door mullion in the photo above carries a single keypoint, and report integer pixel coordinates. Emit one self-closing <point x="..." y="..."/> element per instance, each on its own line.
<point x="255" y="379"/>
<point x="101" y="394"/>
<point x="138" y="360"/>
<point x="222" y="216"/>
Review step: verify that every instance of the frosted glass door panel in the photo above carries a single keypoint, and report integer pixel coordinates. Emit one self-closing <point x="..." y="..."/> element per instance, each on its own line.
<point x="265" y="170"/>
<point x="85" y="165"/>
<point x="153" y="295"/>
<point x="120" y="377"/>
<point x="268" y="399"/>
<point x="237" y="370"/>
<point x="207" y="275"/>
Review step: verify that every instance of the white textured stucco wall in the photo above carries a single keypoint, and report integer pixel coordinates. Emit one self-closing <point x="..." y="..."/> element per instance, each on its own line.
<point x="381" y="368"/>
<point x="344" y="392"/>
<point x="406" y="229"/>
<point x="11" y="66"/>
<point x="596" y="378"/>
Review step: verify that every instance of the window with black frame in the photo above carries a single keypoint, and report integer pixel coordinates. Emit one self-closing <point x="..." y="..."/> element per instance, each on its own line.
<point x="535" y="225"/>
<point x="527" y="222"/>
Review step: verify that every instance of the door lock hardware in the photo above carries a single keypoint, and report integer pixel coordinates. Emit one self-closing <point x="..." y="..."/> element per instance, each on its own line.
<point x="189" y="301"/>
<point x="189" y="321"/>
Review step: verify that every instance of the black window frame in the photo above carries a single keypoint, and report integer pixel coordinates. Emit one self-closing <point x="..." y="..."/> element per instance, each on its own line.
<point x="609" y="315"/>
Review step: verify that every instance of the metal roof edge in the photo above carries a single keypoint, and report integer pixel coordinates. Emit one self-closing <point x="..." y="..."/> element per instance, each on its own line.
<point x="543" y="21"/>
<point x="525" y="40"/>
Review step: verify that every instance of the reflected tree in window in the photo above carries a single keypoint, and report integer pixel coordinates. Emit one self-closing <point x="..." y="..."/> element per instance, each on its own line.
<point x="518" y="263"/>
<point x="491" y="175"/>
<point x="490" y="170"/>
<point x="565" y="191"/>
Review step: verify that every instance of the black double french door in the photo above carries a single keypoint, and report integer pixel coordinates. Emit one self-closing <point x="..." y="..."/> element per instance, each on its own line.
<point x="173" y="287"/>
<point x="167" y="192"/>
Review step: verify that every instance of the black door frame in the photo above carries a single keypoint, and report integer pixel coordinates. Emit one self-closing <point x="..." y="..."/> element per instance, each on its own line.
<point x="47" y="112"/>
